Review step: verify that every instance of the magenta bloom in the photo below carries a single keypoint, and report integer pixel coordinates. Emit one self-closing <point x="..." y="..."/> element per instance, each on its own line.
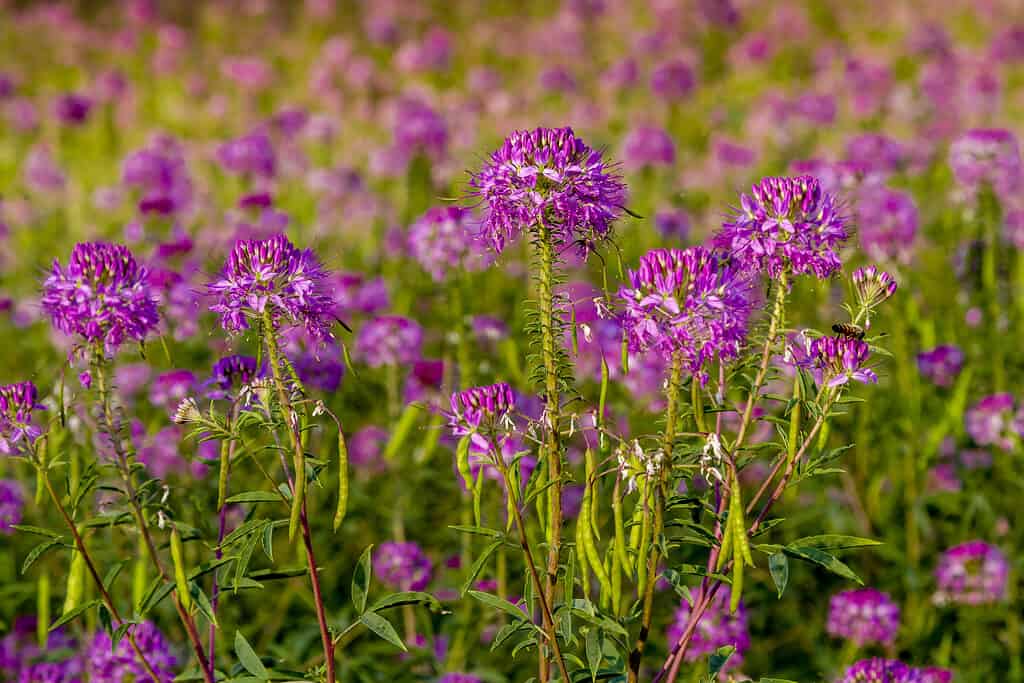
<point x="444" y="239"/>
<point x="228" y="374"/>
<point x="550" y="175"/>
<point x="250" y="155"/>
<point x="941" y="365"/>
<point x="648" y="146"/>
<point x="684" y="301"/>
<point x="102" y="296"/>
<point x="120" y="663"/>
<point x="273" y="277"/>
<point x="786" y="224"/>
<point x="365" y="447"/>
<point x="482" y="412"/>
<point x="12" y="500"/>
<point x="673" y="80"/>
<point x="159" y="173"/>
<point x="72" y="108"/>
<point x="17" y="403"/>
<point x="841" y="359"/>
<point x="716" y="628"/>
<point x="864" y="616"/>
<point x="992" y="421"/>
<point x="672" y="222"/>
<point x="876" y="153"/>
<point x="887" y="225"/>
<point x="403" y="566"/>
<point x="169" y="388"/>
<point x="877" y="670"/>
<point x="987" y="156"/>
<point x="972" y="573"/>
<point x="389" y="340"/>
<point x="873" y="286"/>
<point x="418" y="129"/>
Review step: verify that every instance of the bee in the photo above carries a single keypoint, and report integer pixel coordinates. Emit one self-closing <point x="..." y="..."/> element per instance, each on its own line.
<point x="849" y="330"/>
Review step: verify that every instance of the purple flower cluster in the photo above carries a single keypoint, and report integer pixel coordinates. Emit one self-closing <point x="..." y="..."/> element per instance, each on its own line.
<point x="159" y="172"/>
<point x="873" y="286"/>
<point x="972" y="573"/>
<point x="646" y="146"/>
<point x="102" y="296"/>
<point x="249" y="155"/>
<point x="230" y="373"/>
<point x="481" y="409"/>
<point x="549" y="176"/>
<point x="12" y="500"/>
<point x="21" y="658"/>
<point x="863" y="616"/>
<point x="418" y="129"/>
<point x="444" y="239"/>
<point x="684" y="301"/>
<point x="17" y="403"/>
<point x="877" y="670"/>
<point x="273" y="276"/>
<point x="716" y="628"/>
<point x="786" y="224"/>
<point x="673" y="80"/>
<point x="841" y="359"/>
<point x="941" y="365"/>
<point x="389" y="340"/>
<point x="106" y="663"/>
<point x="402" y="566"/>
<point x="987" y="156"/>
<point x="887" y="221"/>
<point x="993" y="422"/>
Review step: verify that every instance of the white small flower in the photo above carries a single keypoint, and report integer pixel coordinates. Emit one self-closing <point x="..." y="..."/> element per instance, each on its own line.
<point x="187" y="412"/>
<point x="711" y="458"/>
<point x="587" y="334"/>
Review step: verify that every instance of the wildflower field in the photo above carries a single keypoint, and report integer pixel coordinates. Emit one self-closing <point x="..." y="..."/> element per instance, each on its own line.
<point x="486" y="341"/>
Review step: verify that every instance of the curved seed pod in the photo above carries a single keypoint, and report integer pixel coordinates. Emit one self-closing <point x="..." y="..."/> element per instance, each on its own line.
<point x="343" y="484"/>
<point x="587" y="537"/>
<point x="180" y="577"/>
<point x="462" y="462"/>
<point x="620" y="529"/>
<point x="581" y="562"/>
<point x="43" y="609"/>
<point x="76" y="582"/>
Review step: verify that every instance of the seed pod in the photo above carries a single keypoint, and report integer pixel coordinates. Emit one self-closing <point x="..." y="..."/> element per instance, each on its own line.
<point x="586" y="534"/>
<point x="43" y="609"/>
<point x="76" y="582"/>
<point x="339" y="513"/>
<point x="180" y="578"/>
<point x="620" y="529"/>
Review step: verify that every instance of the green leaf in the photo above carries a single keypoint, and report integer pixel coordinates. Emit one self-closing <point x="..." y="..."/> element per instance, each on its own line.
<point x="361" y="580"/>
<point x="503" y="605"/>
<point x="719" y="658"/>
<point x="38" y="531"/>
<point x="37" y="552"/>
<point x="478" y="565"/>
<point x="113" y="573"/>
<point x="202" y="603"/>
<point x="594" y="654"/>
<point x="823" y="559"/>
<point x="383" y="628"/>
<point x="407" y="598"/>
<point x="210" y="566"/>
<point x="477" y="530"/>
<point x="72" y="614"/>
<point x="255" y="497"/>
<point x="277" y="574"/>
<point x="775" y="680"/>
<point x="834" y="542"/>
<point x="248" y="659"/>
<point x="158" y="590"/>
<point x="778" y="565"/>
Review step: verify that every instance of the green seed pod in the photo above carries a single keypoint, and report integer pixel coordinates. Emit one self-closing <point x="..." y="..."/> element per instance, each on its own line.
<point x="76" y="582"/>
<point x="462" y="462"/>
<point x="339" y="513"/>
<point x="180" y="577"/>
<point x="43" y="609"/>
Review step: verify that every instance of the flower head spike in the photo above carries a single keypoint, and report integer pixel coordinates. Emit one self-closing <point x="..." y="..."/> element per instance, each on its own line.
<point x="444" y="239"/>
<point x="482" y="412"/>
<point x="402" y="565"/>
<point x="865" y="615"/>
<point x="842" y="359"/>
<point x="273" y="276"/>
<point x="786" y="224"/>
<point x="17" y="403"/>
<point x="548" y="175"/>
<point x="878" y="670"/>
<point x="873" y="286"/>
<point x="972" y="573"/>
<point x="230" y="372"/>
<point x="685" y="301"/>
<point x="389" y="340"/>
<point x="102" y="296"/>
<point x="989" y="156"/>
<point x="106" y="662"/>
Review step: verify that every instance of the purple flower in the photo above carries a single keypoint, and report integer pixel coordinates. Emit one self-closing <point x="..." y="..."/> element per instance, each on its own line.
<point x="887" y="221"/>
<point x="972" y="573"/>
<point x="230" y="373"/>
<point x="161" y="452"/>
<point x="273" y="277"/>
<point x="365" y="447"/>
<point x="101" y="297"/>
<point x="159" y="172"/>
<point x="873" y="286"/>
<point x="104" y="663"/>
<point x="876" y="153"/>
<point x="549" y="175"/>
<point x="17" y="403"/>
<point x="673" y="80"/>
<point x="67" y="671"/>
<point x="12" y="499"/>
<point x="418" y="129"/>
<point x="716" y="628"/>
<point x="389" y="340"/>
<point x="1013" y="228"/>
<point x="864" y="616"/>
<point x="877" y="670"/>
<point x="557" y="78"/>
<point x="684" y="301"/>
<point x="841" y="359"/>
<point x="72" y="108"/>
<point x="41" y="171"/>
<point x="403" y="566"/>
<point x="941" y="365"/>
<point x="987" y="156"/>
<point x="444" y="239"/>
<point x="934" y="674"/>
<point x="648" y="146"/>
<point x="250" y="155"/>
<point x="319" y="365"/>
<point x="786" y="224"/>
<point x="991" y="421"/>
<point x="482" y="413"/>
<point x="169" y="388"/>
